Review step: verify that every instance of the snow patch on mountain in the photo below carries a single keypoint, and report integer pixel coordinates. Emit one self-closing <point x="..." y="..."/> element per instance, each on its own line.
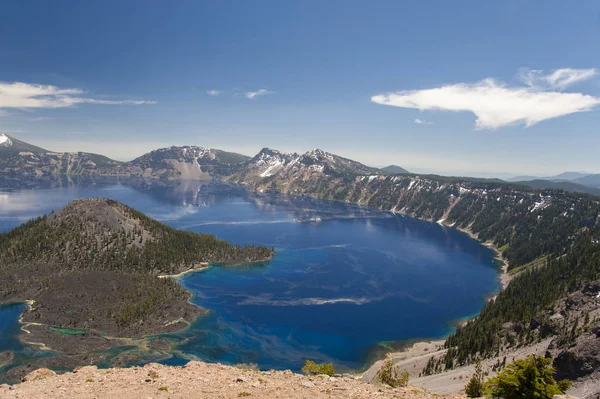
<point x="274" y="166"/>
<point x="5" y="141"/>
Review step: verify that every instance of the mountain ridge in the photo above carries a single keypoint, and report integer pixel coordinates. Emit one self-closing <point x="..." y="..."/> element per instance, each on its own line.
<point x="11" y="145"/>
<point x="564" y="176"/>
<point x="183" y="162"/>
<point x="592" y="180"/>
<point x="570" y="185"/>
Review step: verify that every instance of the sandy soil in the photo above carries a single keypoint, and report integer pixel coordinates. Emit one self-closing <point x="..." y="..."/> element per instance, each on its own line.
<point x="455" y="380"/>
<point x="415" y="358"/>
<point x="198" y="380"/>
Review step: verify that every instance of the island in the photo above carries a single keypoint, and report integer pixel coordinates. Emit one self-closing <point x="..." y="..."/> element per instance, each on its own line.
<point x="90" y="274"/>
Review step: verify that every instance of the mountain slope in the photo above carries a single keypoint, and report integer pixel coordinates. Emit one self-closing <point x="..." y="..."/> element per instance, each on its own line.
<point x="589" y="180"/>
<point x="93" y="267"/>
<point x="395" y="170"/>
<point x="187" y="162"/>
<point x="18" y="158"/>
<point x="23" y="159"/>
<point x="10" y="146"/>
<point x="273" y="168"/>
<point x="568" y="176"/>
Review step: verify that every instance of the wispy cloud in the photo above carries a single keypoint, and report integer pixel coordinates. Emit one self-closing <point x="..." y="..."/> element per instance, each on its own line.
<point x="496" y="104"/>
<point x="422" y="122"/>
<point x="254" y="94"/>
<point x="558" y="79"/>
<point x="213" y="93"/>
<point x="26" y="95"/>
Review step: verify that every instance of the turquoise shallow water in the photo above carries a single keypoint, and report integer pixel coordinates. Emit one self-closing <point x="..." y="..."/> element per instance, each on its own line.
<point x="344" y="279"/>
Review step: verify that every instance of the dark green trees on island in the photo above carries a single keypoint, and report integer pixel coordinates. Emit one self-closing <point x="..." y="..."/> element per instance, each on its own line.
<point x="94" y="265"/>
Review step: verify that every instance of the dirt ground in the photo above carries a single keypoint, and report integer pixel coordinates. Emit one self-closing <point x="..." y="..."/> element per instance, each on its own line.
<point x="199" y="380"/>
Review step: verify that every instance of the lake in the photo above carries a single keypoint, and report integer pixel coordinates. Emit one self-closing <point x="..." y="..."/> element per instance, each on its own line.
<point x="345" y="284"/>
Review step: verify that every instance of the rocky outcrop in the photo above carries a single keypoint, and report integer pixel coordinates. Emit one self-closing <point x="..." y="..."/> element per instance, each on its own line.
<point x="581" y="359"/>
<point x="186" y="163"/>
<point x="39" y="374"/>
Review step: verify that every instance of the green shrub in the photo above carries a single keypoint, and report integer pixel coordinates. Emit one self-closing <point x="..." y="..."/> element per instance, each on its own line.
<point x="389" y="375"/>
<point x="528" y="378"/>
<point x="474" y="388"/>
<point x="312" y="368"/>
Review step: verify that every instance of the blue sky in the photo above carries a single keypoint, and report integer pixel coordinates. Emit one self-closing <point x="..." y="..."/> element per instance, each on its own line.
<point x="350" y="77"/>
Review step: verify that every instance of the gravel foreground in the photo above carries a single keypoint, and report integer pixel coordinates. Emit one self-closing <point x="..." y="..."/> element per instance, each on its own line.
<point x="199" y="380"/>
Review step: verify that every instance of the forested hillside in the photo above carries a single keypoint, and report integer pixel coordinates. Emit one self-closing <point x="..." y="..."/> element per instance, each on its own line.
<point x="94" y="265"/>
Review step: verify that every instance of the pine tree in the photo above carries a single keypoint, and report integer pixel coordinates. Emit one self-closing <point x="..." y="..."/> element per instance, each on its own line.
<point x="527" y="378"/>
<point x="474" y="388"/>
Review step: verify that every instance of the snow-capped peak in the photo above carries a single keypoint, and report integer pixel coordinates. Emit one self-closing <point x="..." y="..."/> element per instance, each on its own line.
<point x="4" y="140"/>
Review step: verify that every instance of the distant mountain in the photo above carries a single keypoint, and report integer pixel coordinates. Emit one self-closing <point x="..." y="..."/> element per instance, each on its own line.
<point x="315" y="164"/>
<point x="10" y="146"/>
<point x="20" y="158"/>
<point x="568" y="176"/>
<point x="522" y="178"/>
<point x="186" y="162"/>
<point x="570" y="186"/>
<point x="395" y="170"/>
<point x="589" y="180"/>
<point x="565" y="176"/>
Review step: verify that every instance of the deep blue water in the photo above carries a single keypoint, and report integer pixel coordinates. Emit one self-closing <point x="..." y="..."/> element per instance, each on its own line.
<point x="344" y="280"/>
<point x="10" y="327"/>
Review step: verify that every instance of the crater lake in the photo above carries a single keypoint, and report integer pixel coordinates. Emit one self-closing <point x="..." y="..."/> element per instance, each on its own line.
<point x="345" y="284"/>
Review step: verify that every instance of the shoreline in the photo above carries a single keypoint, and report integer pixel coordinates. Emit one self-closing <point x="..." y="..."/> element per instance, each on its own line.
<point x="505" y="277"/>
<point x="202" y="266"/>
<point x="185" y="324"/>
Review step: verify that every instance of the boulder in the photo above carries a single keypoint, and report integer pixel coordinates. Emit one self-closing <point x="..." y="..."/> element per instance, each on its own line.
<point x="581" y="359"/>
<point x="39" y="374"/>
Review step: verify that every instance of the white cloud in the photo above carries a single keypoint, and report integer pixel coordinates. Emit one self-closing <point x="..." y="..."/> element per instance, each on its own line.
<point x="213" y="93"/>
<point x="495" y="104"/>
<point x="254" y="94"/>
<point x="558" y="79"/>
<point x="26" y="95"/>
<point x="422" y="122"/>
